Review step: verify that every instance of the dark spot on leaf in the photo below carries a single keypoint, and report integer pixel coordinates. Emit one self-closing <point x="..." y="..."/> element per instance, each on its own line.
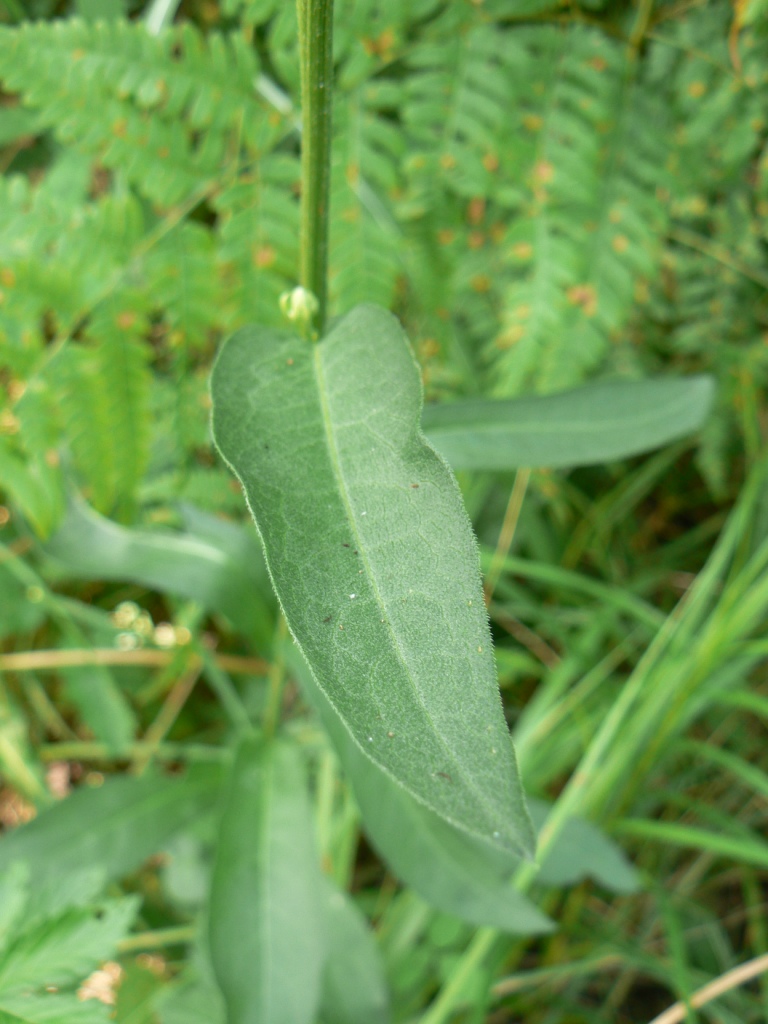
<point x="444" y="775"/>
<point x="327" y="618"/>
<point x="414" y="485"/>
<point x="354" y="552"/>
<point x="345" y="545"/>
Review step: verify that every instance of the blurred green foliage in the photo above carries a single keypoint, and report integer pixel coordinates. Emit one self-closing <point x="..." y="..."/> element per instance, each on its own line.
<point x="545" y="193"/>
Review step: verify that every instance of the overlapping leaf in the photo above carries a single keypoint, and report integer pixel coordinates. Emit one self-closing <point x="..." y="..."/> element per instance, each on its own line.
<point x="373" y="559"/>
<point x="266" y="932"/>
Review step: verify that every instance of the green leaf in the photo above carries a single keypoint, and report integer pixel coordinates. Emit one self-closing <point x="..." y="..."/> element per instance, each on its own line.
<point x="94" y="547"/>
<point x="13" y="1018"/>
<point x="195" y="997"/>
<point x="20" y="615"/>
<point x="373" y="559"/>
<point x="115" y="827"/>
<point x="583" y="851"/>
<point x="266" y="929"/>
<point x="597" y="423"/>
<point x="354" y="988"/>
<point x="52" y="1008"/>
<point x="450" y="869"/>
<point x="195" y="1001"/>
<point x="137" y="993"/>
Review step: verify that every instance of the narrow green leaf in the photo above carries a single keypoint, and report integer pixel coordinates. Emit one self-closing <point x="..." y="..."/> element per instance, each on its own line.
<point x="373" y="559"/>
<point x="20" y="615"/>
<point x="597" y="423"/>
<point x="750" y="775"/>
<point x="354" y="989"/>
<point x="100" y="702"/>
<point x="266" y="928"/>
<point x="750" y="849"/>
<point x="114" y="827"/>
<point x="94" y="547"/>
<point x="450" y="869"/>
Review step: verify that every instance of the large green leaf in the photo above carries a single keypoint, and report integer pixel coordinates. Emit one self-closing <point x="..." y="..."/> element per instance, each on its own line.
<point x="266" y="929"/>
<point x="114" y="827"/>
<point x="450" y="869"/>
<point x="603" y="421"/>
<point x="373" y="559"/>
<point x="354" y="988"/>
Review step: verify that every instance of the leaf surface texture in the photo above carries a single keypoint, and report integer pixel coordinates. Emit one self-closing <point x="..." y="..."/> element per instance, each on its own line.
<point x="373" y="559"/>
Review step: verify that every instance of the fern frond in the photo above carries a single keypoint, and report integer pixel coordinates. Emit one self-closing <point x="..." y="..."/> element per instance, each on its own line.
<point x="250" y="12"/>
<point x="593" y="213"/>
<point x="365" y="240"/>
<point x="63" y="951"/>
<point x="183" y="281"/>
<point x="719" y="111"/>
<point x="33" y="485"/>
<point x="167" y="111"/>
<point x="257" y="241"/>
<point x="105" y="399"/>
<point x="456" y="104"/>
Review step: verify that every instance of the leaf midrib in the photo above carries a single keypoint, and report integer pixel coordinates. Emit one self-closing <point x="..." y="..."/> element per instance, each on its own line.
<point x="333" y="453"/>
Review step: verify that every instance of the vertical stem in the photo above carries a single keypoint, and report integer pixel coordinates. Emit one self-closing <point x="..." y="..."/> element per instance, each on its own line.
<point x="507" y="532"/>
<point x="316" y="57"/>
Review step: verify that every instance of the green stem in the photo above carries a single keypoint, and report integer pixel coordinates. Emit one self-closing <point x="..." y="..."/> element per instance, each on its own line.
<point x="89" y="750"/>
<point x="180" y="935"/>
<point x="316" y="56"/>
<point x="225" y="690"/>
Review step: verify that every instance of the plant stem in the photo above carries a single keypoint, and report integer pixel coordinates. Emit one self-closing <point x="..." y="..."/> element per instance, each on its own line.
<point x="507" y="533"/>
<point x="316" y="58"/>
<point x="90" y="750"/>
<point x="225" y="690"/>
<point x="181" y="935"/>
<point x="73" y="657"/>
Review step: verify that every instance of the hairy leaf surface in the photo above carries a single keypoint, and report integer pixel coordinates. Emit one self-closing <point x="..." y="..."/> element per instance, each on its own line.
<point x="453" y="871"/>
<point x="373" y="559"/>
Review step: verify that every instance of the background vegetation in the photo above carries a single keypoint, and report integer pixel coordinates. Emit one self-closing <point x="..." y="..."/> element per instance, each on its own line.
<point x="545" y="193"/>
